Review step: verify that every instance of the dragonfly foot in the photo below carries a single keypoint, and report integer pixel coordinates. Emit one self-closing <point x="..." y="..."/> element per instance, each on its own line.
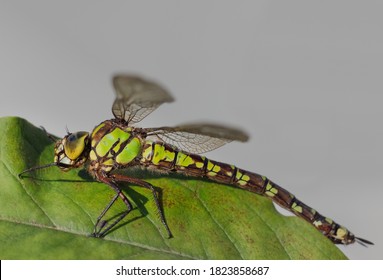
<point x="97" y="232"/>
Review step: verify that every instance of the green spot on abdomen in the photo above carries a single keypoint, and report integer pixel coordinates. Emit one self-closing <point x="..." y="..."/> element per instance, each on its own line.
<point x="242" y="179"/>
<point x="199" y="164"/>
<point x="317" y="223"/>
<point x="296" y="207"/>
<point x="341" y="233"/>
<point x="238" y="175"/>
<point x="147" y="152"/>
<point x="184" y="160"/>
<point x="270" y="190"/>
<point x="160" y="153"/>
<point x="213" y="167"/>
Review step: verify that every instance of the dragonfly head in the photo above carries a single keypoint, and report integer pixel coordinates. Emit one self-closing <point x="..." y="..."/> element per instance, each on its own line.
<point x="72" y="150"/>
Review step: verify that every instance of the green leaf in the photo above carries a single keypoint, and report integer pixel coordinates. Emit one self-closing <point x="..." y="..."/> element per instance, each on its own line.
<point x="48" y="214"/>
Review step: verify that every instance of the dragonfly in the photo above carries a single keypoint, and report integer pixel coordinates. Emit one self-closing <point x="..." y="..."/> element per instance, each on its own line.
<point x="118" y="144"/>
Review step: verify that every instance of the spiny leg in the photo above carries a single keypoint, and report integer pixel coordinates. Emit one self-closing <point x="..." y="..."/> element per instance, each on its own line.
<point x="99" y="230"/>
<point x="147" y="185"/>
<point x="100" y="224"/>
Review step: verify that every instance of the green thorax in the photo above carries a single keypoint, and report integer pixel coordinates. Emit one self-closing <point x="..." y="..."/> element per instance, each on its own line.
<point x="114" y="145"/>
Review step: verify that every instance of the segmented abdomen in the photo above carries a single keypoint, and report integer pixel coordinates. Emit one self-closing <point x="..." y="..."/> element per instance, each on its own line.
<point x="165" y="157"/>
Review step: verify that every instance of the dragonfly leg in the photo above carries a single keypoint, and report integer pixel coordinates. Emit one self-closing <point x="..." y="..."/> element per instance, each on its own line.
<point x="99" y="228"/>
<point x="147" y="185"/>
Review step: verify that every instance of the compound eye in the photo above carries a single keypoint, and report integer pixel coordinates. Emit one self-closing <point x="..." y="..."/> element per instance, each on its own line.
<point x="75" y="144"/>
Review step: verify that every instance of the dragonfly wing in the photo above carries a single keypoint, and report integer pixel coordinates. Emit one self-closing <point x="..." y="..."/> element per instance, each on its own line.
<point x="136" y="98"/>
<point x="198" y="137"/>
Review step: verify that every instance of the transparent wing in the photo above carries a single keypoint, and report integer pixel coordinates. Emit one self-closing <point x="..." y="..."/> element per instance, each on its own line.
<point x="136" y="98"/>
<point x="197" y="138"/>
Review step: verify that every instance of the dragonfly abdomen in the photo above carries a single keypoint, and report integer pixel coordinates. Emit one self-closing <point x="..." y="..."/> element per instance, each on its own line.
<point x="332" y="230"/>
<point x="162" y="156"/>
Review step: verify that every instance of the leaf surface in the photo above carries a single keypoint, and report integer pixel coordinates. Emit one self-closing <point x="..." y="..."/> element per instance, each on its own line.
<point x="49" y="214"/>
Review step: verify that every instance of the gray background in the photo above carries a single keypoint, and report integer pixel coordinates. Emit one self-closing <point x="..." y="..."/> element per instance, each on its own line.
<point x="303" y="78"/>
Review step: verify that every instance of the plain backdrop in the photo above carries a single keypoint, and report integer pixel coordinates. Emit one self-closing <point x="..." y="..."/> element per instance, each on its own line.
<point x="303" y="78"/>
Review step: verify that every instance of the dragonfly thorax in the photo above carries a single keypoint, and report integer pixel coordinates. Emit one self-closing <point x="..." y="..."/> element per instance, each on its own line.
<point x="72" y="150"/>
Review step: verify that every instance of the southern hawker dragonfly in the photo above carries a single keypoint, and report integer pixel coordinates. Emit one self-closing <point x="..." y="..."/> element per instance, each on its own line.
<point x="118" y="144"/>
